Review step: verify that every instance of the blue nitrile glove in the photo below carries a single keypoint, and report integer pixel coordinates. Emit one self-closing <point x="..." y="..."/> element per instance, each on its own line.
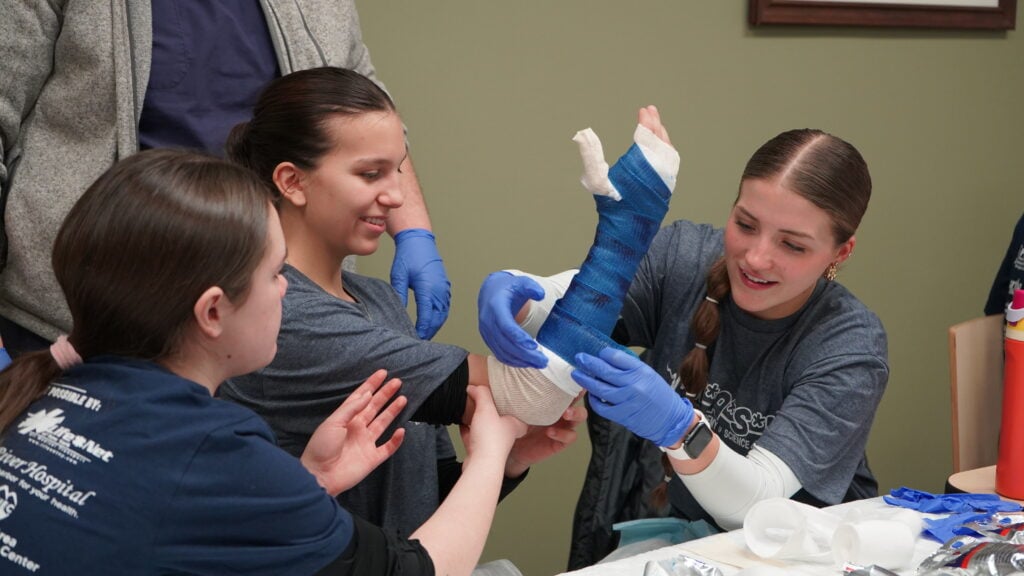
<point x="501" y="296"/>
<point x="944" y="503"/>
<point x="418" y="264"/>
<point x="5" y="358"/>
<point x="631" y="393"/>
<point x="942" y="529"/>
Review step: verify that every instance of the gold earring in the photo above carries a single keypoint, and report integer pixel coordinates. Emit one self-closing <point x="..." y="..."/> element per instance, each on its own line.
<point x="830" y="272"/>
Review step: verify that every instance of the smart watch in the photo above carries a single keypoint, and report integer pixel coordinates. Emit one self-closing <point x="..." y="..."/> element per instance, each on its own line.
<point x="694" y="442"/>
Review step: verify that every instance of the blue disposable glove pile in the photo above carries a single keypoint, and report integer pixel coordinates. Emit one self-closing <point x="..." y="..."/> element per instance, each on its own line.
<point x="631" y="393"/>
<point x="946" y="503"/>
<point x="501" y="296"/>
<point x="418" y="265"/>
<point x="942" y="529"/>
<point x="964" y="508"/>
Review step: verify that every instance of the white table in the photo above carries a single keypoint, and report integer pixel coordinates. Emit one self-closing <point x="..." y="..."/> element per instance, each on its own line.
<point x="728" y="551"/>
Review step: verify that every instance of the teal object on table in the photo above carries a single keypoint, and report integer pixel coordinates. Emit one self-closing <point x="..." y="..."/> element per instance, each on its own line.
<point x="673" y="530"/>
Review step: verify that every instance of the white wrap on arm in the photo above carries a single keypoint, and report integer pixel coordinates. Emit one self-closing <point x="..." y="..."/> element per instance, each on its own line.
<point x="731" y="484"/>
<point x="537" y="397"/>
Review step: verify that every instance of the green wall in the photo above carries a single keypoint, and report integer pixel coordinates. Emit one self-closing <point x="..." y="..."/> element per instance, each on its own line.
<point x="492" y="94"/>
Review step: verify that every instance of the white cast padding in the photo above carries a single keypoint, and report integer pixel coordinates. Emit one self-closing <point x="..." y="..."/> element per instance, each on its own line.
<point x="537" y="397"/>
<point x="595" y="169"/>
<point x="537" y="311"/>
<point x="659" y="154"/>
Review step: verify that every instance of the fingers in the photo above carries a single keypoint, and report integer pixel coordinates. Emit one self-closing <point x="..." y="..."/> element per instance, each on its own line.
<point x="378" y="419"/>
<point x="400" y="281"/>
<point x="522" y="353"/>
<point x="650" y="118"/>
<point x="564" y="436"/>
<point x="358" y="399"/>
<point x="597" y="388"/>
<point x="487" y="413"/>
<point x="367" y="400"/>
<point x="573" y="415"/>
<point x="371" y="384"/>
<point x="620" y="359"/>
<point x="428" y="317"/>
<point x="387" y="449"/>
<point x="526" y="286"/>
<point x="502" y="295"/>
<point x="564" y="431"/>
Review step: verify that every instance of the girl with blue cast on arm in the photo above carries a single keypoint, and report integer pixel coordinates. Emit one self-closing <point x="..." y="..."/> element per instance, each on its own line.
<point x="115" y="457"/>
<point x="761" y="374"/>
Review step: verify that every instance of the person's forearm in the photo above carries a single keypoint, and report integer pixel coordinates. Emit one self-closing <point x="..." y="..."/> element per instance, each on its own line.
<point x="455" y="535"/>
<point x="413" y="213"/>
<point x="728" y="484"/>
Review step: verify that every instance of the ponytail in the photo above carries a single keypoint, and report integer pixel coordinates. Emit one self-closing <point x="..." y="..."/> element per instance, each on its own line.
<point x="693" y="372"/>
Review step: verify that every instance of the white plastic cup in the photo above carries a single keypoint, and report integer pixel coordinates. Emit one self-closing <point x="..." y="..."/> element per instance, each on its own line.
<point x="885" y="543"/>
<point x="780" y="528"/>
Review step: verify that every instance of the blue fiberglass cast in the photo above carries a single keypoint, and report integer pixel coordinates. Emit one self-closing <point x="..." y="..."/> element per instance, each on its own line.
<point x="582" y="320"/>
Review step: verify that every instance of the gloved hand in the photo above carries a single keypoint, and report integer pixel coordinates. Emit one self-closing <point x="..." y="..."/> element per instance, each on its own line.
<point x="5" y="358"/>
<point x="501" y="296"/>
<point x="418" y="264"/>
<point x="631" y="393"/>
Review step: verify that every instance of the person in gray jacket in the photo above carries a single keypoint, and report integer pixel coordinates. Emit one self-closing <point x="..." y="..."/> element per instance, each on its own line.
<point x="86" y="84"/>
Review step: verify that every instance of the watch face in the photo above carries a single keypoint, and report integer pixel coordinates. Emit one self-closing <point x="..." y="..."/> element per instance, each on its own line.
<point x="698" y="439"/>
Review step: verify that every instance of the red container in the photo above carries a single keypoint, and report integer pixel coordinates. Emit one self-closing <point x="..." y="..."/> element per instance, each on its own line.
<point x="1010" y="465"/>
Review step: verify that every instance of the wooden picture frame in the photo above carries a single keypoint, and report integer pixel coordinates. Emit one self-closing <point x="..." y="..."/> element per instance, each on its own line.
<point x="952" y="14"/>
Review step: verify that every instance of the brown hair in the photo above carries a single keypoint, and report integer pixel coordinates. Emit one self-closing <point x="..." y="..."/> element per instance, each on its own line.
<point x="135" y="253"/>
<point x="289" y="122"/>
<point x="824" y="169"/>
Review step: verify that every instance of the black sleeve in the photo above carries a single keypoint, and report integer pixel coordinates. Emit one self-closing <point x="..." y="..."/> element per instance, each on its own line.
<point x="374" y="552"/>
<point x="449" y="470"/>
<point x="446" y="404"/>
<point x="620" y="334"/>
<point x="999" y="294"/>
<point x="510" y="484"/>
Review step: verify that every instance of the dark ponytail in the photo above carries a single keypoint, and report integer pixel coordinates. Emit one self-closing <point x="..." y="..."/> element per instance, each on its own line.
<point x="290" y="120"/>
<point x="693" y="372"/>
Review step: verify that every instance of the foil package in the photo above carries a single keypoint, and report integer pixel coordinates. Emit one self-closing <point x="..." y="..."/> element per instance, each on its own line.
<point x="974" y="556"/>
<point x="680" y="566"/>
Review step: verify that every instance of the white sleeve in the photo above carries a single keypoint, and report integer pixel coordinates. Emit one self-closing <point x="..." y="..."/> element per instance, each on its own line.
<point x="538" y="310"/>
<point x="731" y="484"/>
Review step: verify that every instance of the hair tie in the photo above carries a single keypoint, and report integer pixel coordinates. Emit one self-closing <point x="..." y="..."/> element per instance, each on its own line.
<point x="710" y="299"/>
<point x="64" y="353"/>
<point x="701" y="346"/>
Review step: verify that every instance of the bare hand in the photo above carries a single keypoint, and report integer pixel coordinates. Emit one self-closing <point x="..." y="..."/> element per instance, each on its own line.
<point x="487" y="430"/>
<point x="343" y="449"/>
<point x="542" y="442"/>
